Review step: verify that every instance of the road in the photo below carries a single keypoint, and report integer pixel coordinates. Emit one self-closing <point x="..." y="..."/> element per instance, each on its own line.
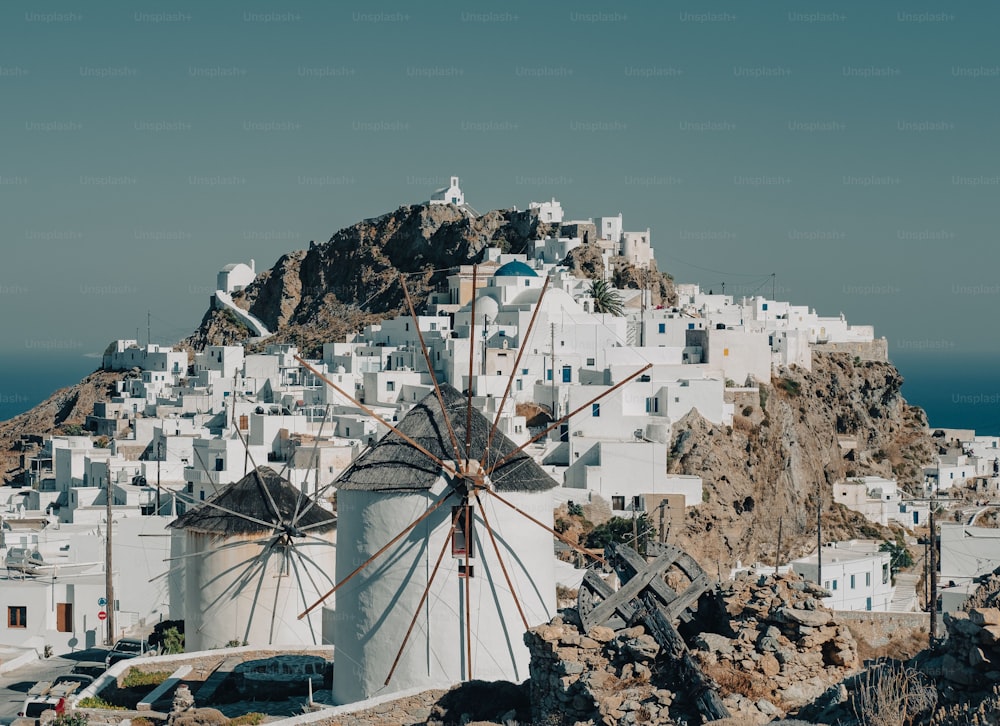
<point x="14" y="685"/>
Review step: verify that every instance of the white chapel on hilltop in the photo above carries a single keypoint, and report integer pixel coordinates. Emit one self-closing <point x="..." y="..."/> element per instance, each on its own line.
<point x="450" y="194"/>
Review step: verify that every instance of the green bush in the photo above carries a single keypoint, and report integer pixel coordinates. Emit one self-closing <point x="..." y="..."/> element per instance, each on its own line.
<point x="98" y="702"/>
<point x="789" y="386"/>
<point x="173" y="641"/>
<point x="247" y="719"/>
<point x="136" y="677"/>
<point x="70" y="719"/>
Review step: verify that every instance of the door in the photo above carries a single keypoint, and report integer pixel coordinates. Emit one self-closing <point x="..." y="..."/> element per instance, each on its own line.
<point x="64" y="617"/>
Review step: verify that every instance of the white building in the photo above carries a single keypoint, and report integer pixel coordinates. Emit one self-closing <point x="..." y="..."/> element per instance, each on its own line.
<point x="235" y="277"/>
<point x="550" y="212"/>
<point x="856" y="574"/>
<point x="124" y="355"/>
<point x="450" y="194"/>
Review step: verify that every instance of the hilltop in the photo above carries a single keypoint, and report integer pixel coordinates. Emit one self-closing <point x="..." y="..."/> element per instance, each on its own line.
<point x="335" y="288"/>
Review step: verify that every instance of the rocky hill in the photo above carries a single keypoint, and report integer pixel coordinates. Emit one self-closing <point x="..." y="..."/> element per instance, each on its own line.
<point x="331" y="289"/>
<point x="64" y="412"/>
<point x="789" y="446"/>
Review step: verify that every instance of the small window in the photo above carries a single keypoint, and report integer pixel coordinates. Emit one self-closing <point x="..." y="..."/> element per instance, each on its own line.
<point x="885" y="574"/>
<point x="725" y="352"/>
<point x="17" y="616"/>
<point x="636" y="503"/>
<point x="590" y="361"/>
<point x="764" y="306"/>
<point x="662" y="327"/>
<point x="461" y="570"/>
<point x="390" y="386"/>
<point x="834" y="584"/>
<point x="690" y="326"/>
<point x="461" y="539"/>
<point x="548" y="374"/>
<point x="852" y="582"/>
<point x="524" y="371"/>
<point x="618" y="503"/>
<point x="595" y="410"/>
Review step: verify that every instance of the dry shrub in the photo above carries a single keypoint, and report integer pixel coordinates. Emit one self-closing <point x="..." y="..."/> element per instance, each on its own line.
<point x="743" y="424"/>
<point x="902" y="646"/>
<point x="732" y="680"/>
<point x="890" y="694"/>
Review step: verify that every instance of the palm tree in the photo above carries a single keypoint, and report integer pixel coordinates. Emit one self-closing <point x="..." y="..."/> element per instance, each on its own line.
<point x="606" y="298"/>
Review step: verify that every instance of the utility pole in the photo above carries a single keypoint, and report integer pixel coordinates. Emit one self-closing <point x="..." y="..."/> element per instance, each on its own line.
<point x="159" y="456"/>
<point x="552" y="361"/>
<point x="932" y="604"/>
<point x="149" y="338"/>
<point x="663" y="521"/>
<point x="109" y="581"/>
<point x="819" y="535"/>
<point x="777" y="555"/>
<point x="772" y="286"/>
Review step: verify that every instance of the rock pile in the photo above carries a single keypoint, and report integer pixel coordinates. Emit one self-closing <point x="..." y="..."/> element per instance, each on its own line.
<point x="768" y="642"/>
<point x="776" y="647"/>
<point x="604" y="676"/>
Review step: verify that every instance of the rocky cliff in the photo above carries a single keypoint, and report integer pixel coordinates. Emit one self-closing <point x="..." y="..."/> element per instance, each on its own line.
<point x="64" y="412"/>
<point x="805" y="431"/>
<point x="331" y="289"/>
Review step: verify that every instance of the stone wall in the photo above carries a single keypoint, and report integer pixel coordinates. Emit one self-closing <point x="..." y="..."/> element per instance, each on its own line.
<point x="878" y="629"/>
<point x="876" y="350"/>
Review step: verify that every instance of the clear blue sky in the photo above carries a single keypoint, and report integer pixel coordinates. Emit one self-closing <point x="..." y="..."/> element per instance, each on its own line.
<point x="849" y="147"/>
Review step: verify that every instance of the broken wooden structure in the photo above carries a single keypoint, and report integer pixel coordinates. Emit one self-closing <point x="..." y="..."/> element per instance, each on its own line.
<point x="645" y="598"/>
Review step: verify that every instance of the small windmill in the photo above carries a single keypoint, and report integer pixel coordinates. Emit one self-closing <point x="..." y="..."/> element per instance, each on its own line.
<point x="239" y="553"/>
<point x="414" y="498"/>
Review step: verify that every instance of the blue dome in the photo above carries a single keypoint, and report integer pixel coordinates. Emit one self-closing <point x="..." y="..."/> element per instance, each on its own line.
<point x="515" y="269"/>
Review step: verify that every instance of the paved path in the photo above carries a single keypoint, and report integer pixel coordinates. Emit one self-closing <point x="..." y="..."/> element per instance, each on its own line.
<point x="14" y="685"/>
<point x="905" y="598"/>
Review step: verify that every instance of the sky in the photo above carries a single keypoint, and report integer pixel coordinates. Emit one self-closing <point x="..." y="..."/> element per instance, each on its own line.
<point x="849" y="148"/>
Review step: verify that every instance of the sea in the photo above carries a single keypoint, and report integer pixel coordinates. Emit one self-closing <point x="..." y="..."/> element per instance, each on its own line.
<point x="28" y="378"/>
<point x="956" y="391"/>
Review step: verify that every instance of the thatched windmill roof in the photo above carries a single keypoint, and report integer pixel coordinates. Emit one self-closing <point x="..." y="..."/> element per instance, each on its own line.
<point x="247" y="497"/>
<point x="394" y="465"/>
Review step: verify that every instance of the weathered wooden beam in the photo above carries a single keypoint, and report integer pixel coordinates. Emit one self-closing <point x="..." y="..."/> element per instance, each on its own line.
<point x="592" y="588"/>
<point x="628" y="563"/>
<point x="703" y="689"/>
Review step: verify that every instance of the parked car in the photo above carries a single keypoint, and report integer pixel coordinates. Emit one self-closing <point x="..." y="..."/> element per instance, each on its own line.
<point x="45" y="695"/>
<point x="128" y="648"/>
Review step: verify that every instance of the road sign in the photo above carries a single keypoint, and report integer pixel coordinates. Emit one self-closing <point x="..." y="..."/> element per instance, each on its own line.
<point x="102" y="615"/>
<point x="102" y="601"/>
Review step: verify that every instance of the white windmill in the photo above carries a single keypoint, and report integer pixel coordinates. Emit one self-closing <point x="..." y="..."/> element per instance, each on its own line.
<point x="445" y="555"/>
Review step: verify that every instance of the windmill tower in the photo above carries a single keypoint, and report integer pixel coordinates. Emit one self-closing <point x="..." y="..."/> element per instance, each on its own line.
<point x="446" y="551"/>
<point x="254" y="555"/>
<point x="382" y="493"/>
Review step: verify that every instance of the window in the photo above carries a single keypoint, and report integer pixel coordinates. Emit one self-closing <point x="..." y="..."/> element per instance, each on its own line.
<point x="618" y="503"/>
<point x="548" y="374"/>
<point x="17" y="616"/>
<point x="220" y="465"/>
<point x="524" y="371"/>
<point x="636" y="503"/>
<point x="834" y="584"/>
<point x="885" y="574"/>
<point x="595" y="410"/>
<point x="461" y="570"/>
<point x="590" y="361"/>
<point x="567" y="374"/>
<point x="690" y="326"/>
<point x="868" y="579"/>
<point x="652" y="405"/>
<point x="868" y="603"/>
<point x="852" y="582"/>
<point x="725" y="352"/>
<point x="461" y="539"/>
<point x="390" y="386"/>
<point x="764" y="306"/>
<point x="202" y="495"/>
<point x="662" y="327"/>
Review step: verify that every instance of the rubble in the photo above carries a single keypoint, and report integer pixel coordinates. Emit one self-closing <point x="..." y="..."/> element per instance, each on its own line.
<point x="767" y="642"/>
